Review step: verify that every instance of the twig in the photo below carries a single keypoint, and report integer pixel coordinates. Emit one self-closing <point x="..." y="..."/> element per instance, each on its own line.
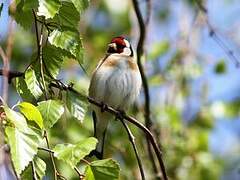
<point x="51" y="156"/>
<point x="33" y="171"/>
<point x="132" y="140"/>
<point x="81" y="176"/>
<point x="11" y="74"/>
<point x="111" y="110"/>
<point x="213" y="34"/>
<point x="40" y="51"/>
<point x="140" y="52"/>
<point x="46" y="149"/>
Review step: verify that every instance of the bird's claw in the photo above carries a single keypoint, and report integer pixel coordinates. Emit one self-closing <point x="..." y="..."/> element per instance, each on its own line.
<point x="103" y="107"/>
<point x="120" y="114"/>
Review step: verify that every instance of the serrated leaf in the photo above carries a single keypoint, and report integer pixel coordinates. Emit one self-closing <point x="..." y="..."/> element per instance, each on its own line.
<point x="48" y="8"/>
<point x="106" y="169"/>
<point x="67" y="17"/>
<point x="51" y="111"/>
<point x="76" y="105"/>
<point x="16" y="118"/>
<point x="39" y="167"/>
<point x="67" y="40"/>
<point x="23" y="12"/>
<point x="54" y="57"/>
<point x="32" y="83"/>
<point x="23" y="147"/>
<point x="80" y="5"/>
<point x="23" y="90"/>
<point x="72" y="154"/>
<point x="31" y="112"/>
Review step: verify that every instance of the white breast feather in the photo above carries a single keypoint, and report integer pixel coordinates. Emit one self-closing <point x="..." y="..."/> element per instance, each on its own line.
<point x="116" y="86"/>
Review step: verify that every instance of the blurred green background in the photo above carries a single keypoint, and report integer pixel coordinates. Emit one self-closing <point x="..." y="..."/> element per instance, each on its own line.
<point x="194" y="85"/>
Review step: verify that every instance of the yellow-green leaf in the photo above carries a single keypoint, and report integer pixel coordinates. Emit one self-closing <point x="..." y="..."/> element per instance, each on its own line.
<point x="31" y="112"/>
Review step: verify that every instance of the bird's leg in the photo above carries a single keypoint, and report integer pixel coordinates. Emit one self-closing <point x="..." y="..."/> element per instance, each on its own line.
<point x="103" y="107"/>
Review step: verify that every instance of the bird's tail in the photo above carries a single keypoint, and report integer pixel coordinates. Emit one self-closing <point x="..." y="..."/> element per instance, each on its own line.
<point x="100" y="120"/>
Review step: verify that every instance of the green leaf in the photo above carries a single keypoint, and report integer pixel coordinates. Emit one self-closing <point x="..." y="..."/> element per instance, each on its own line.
<point x="106" y="169"/>
<point x="23" y="147"/>
<point x="23" y="90"/>
<point x="53" y="57"/>
<point x="23" y="13"/>
<point x="76" y="105"/>
<point x="72" y="154"/>
<point x="31" y="112"/>
<point x="69" y="41"/>
<point x="16" y="118"/>
<point x="155" y="80"/>
<point x="39" y="167"/>
<point x="68" y="17"/>
<point x="51" y="111"/>
<point x="48" y="8"/>
<point x="32" y="83"/>
<point x="159" y="49"/>
<point x="80" y="5"/>
<point x="220" y="67"/>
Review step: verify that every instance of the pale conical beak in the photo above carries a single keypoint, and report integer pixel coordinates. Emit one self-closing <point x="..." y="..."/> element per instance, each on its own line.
<point x="113" y="46"/>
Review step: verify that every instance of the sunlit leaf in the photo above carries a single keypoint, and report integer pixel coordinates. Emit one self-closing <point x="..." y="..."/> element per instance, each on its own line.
<point x="106" y="169"/>
<point x="23" y="147"/>
<point x="31" y="112"/>
<point x="23" y="90"/>
<point x="69" y="41"/>
<point x="23" y="12"/>
<point x="39" y="167"/>
<point x="51" y="111"/>
<point x="53" y="57"/>
<point x="16" y="118"/>
<point x="76" y="105"/>
<point x="48" y="8"/>
<point x="72" y="154"/>
<point x="32" y="83"/>
<point x="68" y="17"/>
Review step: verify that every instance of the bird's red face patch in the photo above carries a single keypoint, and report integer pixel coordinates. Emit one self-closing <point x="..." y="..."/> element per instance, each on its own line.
<point x="120" y="45"/>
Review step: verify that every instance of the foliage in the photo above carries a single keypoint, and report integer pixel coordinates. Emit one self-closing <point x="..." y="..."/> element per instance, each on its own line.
<point x="172" y="67"/>
<point x="26" y="129"/>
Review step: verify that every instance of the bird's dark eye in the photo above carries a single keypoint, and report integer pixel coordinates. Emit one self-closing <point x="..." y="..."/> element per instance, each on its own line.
<point x="120" y="46"/>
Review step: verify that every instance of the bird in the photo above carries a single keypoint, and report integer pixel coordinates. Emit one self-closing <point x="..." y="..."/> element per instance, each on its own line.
<point x="116" y="82"/>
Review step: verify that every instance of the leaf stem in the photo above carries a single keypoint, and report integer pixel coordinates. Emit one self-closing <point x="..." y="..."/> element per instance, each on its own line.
<point x="51" y="156"/>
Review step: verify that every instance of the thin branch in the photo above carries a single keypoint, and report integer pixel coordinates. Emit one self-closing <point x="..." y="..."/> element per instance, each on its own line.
<point x="213" y="34"/>
<point x="132" y="140"/>
<point x="40" y="51"/>
<point x="46" y="149"/>
<point x="111" y="110"/>
<point x="81" y="176"/>
<point x="51" y="156"/>
<point x="11" y="74"/>
<point x="140" y="52"/>
<point x="33" y="171"/>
